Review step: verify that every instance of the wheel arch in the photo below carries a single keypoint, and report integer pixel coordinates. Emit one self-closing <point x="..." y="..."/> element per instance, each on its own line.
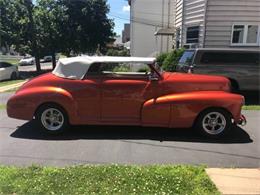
<point x="212" y="108"/>
<point x="51" y="103"/>
<point x="234" y="84"/>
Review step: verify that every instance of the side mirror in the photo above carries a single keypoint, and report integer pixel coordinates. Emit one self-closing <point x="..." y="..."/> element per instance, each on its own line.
<point x="153" y="78"/>
<point x="191" y="69"/>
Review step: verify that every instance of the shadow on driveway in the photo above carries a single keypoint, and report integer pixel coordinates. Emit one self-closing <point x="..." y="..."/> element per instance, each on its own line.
<point x="31" y="131"/>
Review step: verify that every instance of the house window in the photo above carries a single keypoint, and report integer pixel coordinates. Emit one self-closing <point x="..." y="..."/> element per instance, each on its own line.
<point x="252" y="33"/>
<point x="192" y="35"/>
<point x="238" y="33"/>
<point x="245" y="35"/>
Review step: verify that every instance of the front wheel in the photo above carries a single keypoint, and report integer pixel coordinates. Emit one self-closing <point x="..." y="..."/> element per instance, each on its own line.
<point x="13" y="76"/>
<point x="52" y="119"/>
<point x="214" y="123"/>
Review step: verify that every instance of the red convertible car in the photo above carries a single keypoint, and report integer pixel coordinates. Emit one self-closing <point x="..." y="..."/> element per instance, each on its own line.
<point x="126" y="91"/>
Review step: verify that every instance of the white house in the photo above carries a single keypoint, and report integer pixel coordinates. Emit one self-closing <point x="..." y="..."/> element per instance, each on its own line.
<point x="151" y="26"/>
<point x="160" y="25"/>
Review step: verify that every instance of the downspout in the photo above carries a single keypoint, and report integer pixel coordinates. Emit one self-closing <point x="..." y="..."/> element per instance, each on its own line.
<point x="131" y="3"/>
<point x="182" y="23"/>
<point x="168" y="23"/>
<point x="162" y="26"/>
<point x="204" y="23"/>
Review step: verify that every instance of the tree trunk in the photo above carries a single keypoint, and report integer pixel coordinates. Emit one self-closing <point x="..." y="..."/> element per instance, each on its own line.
<point x="53" y="58"/>
<point x="37" y="62"/>
<point x="29" y="5"/>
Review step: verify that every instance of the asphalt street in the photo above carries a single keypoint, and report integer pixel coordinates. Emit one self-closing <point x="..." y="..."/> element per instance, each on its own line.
<point x="21" y="143"/>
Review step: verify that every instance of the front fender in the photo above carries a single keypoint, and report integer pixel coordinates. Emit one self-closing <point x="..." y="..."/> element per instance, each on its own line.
<point x="24" y="103"/>
<point x="180" y="110"/>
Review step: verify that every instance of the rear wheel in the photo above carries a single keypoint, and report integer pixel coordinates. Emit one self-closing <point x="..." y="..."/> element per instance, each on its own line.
<point x="52" y="119"/>
<point x="214" y="123"/>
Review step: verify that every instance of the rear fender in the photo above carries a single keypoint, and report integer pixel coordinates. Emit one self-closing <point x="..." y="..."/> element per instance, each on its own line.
<point x="30" y="99"/>
<point x="181" y="110"/>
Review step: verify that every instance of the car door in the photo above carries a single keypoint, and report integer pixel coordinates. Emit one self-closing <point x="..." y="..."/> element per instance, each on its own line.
<point x="8" y="69"/>
<point x="87" y="95"/>
<point x="123" y="94"/>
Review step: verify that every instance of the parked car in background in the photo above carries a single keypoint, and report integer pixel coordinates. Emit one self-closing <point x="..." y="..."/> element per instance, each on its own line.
<point x="8" y="71"/>
<point x="241" y="66"/>
<point x="47" y="58"/>
<point x="114" y="91"/>
<point x="27" y="61"/>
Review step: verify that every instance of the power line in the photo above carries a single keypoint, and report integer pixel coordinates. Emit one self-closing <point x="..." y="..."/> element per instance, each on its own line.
<point x="141" y="21"/>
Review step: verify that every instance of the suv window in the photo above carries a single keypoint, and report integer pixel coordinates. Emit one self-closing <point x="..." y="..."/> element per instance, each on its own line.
<point x="186" y="58"/>
<point x="237" y="58"/>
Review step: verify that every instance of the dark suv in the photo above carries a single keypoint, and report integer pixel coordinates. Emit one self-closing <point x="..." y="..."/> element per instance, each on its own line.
<point x="240" y="66"/>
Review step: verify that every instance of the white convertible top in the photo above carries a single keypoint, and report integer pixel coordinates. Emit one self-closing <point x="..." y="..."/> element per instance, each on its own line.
<point x="76" y="67"/>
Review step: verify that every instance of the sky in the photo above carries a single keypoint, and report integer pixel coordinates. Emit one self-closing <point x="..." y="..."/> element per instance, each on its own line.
<point x="120" y="12"/>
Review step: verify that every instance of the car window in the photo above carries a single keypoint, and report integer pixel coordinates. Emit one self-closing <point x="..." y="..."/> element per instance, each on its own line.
<point x="236" y="58"/>
<point x="123" y="68"/>
<point x="5" y="65"/>
<point x="94" y="69"/>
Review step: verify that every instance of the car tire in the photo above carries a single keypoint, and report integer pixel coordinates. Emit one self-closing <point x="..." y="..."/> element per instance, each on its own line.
<point x="52" y="119"/>
<point x="214" y="123"/>
<point x="13" y="76"/>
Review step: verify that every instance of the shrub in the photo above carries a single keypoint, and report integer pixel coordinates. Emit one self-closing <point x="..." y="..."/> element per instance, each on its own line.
<point x="117" y="52"/>
<point x="172" y="59"/>
<point x="160" y="58"/>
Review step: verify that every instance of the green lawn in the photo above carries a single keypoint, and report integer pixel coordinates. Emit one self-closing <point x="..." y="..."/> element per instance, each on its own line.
<point x="2" y="106"/>
<point x="113" y="179"/>
<point x="4" y="83"/>
<point x="12" y="61"/>
<point x="251" y="107"/>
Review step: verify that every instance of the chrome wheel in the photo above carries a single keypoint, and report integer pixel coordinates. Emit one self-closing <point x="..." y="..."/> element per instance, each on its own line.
<point x="214" y="123"/>
<point x="52" y="119"/>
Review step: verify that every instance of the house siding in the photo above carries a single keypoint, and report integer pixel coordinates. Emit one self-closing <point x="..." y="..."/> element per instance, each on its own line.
<point x="190" y="13"/>
<point x="147" y="17"/>
<point x="221" y="15"/>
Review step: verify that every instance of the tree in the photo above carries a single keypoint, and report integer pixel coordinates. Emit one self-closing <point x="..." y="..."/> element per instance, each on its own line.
<point x="33" y="34"/>
<point x="49" y="16"/>
<point x="17" y="27"/>
<point x="51" y="26"/>
<point x="85" y="26"/>
<point x="13" y="20"/>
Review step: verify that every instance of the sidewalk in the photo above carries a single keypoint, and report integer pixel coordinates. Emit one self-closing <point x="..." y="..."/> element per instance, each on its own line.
<point x="11" y="86"/>
<point x="236" y="181"/>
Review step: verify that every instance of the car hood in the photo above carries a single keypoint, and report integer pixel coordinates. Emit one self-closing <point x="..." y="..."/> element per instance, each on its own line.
<point x="184" y="82"/>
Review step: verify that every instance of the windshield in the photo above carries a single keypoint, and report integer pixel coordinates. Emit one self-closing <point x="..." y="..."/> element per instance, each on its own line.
<point x="186" y="58"/>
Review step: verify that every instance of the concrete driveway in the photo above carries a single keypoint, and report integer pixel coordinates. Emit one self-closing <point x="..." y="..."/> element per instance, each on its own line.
<point x="21" y="143"/>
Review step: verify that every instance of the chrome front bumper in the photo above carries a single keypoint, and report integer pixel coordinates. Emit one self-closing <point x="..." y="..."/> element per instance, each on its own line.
<point x="242" y="121"/>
